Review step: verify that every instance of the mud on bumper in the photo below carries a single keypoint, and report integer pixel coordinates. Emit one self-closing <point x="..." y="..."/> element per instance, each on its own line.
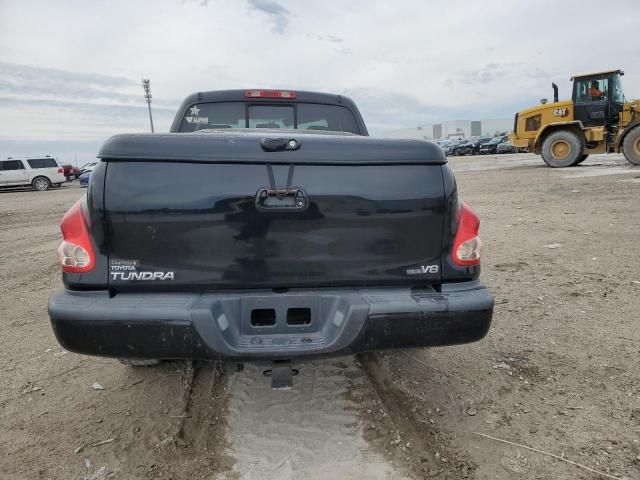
<point x="260" y="325"/>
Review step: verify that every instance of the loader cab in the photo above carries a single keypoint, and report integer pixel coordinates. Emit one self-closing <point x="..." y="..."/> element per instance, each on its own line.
<point x="598" y="98"/>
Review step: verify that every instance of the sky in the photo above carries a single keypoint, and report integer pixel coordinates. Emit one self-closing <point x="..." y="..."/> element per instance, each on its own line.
<point x="70" y="70"/>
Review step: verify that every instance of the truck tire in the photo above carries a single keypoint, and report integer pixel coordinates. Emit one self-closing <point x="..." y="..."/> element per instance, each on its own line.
<point x="139" y="363"/>
<point x="562" y="149"/>
<point x="631" y="146"/>
<point x="41" y="184"/>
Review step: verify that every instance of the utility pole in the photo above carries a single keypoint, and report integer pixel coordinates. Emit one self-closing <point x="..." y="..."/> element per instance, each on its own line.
<point x="147" y="95"/>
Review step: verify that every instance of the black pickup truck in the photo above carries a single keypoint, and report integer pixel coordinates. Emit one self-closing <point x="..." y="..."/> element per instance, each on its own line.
<point x="268" y="225"/>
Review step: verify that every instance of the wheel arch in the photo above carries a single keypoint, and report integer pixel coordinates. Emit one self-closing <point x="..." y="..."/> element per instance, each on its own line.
<point x="33" y="180"/>
<point x="625" y="132"/>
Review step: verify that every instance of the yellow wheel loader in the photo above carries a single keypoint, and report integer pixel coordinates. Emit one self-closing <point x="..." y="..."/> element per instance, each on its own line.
<point x="597" y="119"/>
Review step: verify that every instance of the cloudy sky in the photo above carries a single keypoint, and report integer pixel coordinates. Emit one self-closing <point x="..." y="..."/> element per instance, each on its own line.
<point x="70" y="70"/>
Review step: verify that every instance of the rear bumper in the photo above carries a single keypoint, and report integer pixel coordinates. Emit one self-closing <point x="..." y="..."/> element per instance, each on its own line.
<point x="54" y="177"/>
<point x="217" y="326"/>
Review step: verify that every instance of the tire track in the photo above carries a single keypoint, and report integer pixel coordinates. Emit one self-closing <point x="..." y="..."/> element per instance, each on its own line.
<point x="202" y="430"/>
<point x="312" y="431"/>
<point x="429" y="455"/>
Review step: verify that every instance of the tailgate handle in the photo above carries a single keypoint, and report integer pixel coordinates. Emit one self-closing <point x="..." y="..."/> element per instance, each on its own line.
<point x="279" y="144"/>
<point x="281" y="199"/>
<point x="292" y="200"/>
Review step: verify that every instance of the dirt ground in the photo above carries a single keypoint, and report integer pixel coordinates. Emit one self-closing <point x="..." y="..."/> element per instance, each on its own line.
<point x="558" y="372"/>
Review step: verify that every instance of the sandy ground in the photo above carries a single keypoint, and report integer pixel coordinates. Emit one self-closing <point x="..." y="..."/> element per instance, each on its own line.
<point x="311" y="431"/>
<point x="557" y="372"/>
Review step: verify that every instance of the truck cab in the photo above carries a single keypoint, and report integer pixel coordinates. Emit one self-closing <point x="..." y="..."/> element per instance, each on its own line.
<point x="598" y="98"/>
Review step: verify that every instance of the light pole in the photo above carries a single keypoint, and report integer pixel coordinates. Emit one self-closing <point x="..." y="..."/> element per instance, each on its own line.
<point x="147" y="95"/>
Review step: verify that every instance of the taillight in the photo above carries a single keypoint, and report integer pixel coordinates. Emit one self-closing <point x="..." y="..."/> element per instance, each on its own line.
<point x="467" y="245"/>
<point x="61" y="170"/>
<point x="76" y="251"/>
<point x="270" y="94"/>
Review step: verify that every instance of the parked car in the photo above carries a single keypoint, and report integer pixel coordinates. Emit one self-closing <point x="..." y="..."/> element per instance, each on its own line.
<point x="491" y="146"/>
<point x="87" y="167"/>
<point x="470" y="147"/>
<point x="68" y="171"/>
<point x="463" y="148"/>
<point x="247" y="244"/>
<point x="480" y="142"/>
<point x="444" y="144"/>
<point x="40" y="172"/>
<point x="507" y="147"/>
<point x="84" y="179"/>
<point x="451" y="145"/>
<point x="71" y="171"/>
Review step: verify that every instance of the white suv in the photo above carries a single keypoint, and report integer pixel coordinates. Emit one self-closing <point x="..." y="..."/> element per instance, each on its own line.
<point x="39" y="172"/>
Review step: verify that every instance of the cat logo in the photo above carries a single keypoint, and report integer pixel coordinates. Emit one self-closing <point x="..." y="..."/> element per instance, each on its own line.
<point x="560" y="112"/>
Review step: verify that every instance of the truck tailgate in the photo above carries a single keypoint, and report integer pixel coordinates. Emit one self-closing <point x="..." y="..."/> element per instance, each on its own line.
<point x="247" y="210"/>
<point x="204" y="224"/>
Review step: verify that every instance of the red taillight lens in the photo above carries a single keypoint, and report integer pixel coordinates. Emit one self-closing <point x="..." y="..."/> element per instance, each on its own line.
<point x="76" y="251"/>
<point x="61" y="170"/>
<point x="467" y="246"/>
<point x="270" y="94"/>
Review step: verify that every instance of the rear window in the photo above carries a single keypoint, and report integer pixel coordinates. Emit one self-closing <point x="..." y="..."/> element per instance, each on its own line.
<point x="214" y="115"/>
<point x="42" y="163"/>
<point x="312" y="116"/>
<point x="271" y="116"/>
<point x="302" y="116"/>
